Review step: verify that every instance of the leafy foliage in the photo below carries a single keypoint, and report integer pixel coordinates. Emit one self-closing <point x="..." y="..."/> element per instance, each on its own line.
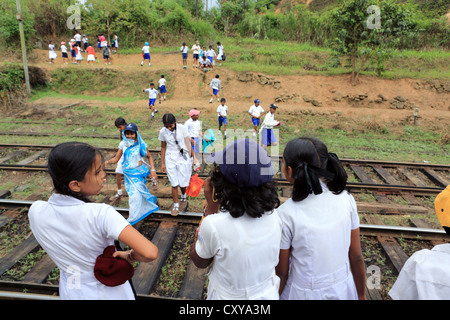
<point x="365" y="40"/>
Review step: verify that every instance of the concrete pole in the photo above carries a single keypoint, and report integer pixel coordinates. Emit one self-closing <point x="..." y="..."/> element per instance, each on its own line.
<point x="24" y="49"/>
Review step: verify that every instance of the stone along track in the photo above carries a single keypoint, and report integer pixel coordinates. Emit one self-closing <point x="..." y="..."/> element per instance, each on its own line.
<point x="174" y="237"/>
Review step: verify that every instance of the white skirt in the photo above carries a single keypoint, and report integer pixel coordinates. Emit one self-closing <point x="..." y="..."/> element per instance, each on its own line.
<point x="91" y="57"/>
<point x="79" y="57"/>
<point x="52" y="55"/>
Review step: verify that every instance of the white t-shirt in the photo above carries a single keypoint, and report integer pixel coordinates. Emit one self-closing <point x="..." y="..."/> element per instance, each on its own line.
<point x="77" y="37"/>
<point x="85" y="39"/>
<point x="193" y="127"/>
<point x="245" y="252"/>
<point x="318" y="232"/>
<point x="256" y="111"/>
<point x="425" y="276"/>
<point x="210" y="53"/>
<point x="196" y="49"/>
<point x="162" y="82"/>
<point x="222" y="110"/>
<point x="146" y="49"/>
<point x="74" y="234"/>
<point x="63" y="48"/>
<point x="184" y="49"/>
<point x="152" y="93"/>
<point x="172" y="149"/>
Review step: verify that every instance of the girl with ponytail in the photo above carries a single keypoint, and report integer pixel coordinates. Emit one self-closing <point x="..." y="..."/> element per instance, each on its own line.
<point x="320" y="255"/>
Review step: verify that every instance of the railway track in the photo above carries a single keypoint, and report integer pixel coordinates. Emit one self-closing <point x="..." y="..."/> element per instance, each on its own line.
<point x="383" y="180"/>
<point x="168" y="233"/>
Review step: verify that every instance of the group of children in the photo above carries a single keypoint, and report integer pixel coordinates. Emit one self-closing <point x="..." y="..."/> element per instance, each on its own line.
<point x="257" y="247"/>
<point x="203" y="58"/>
<point x="77" y="45"/>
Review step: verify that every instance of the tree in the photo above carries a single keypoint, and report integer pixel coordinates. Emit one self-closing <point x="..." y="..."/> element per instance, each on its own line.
<point x="366" y="31"/>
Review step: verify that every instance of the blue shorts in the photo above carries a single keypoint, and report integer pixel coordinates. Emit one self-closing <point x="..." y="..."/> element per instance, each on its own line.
<point x="195" y="146"/>
<point x="255" y="121"/>
<point x="162" y="89"/>
<point x="73" y="53"/>
<point x="64" y="54"/>
<point x="151" y="102"/>
<point x="222" y="120"/>
<point x="215" y="91"/>
<point x="196" y="56"/>
<point x="184" y="55"/>
<point x="147" y="56"/>
<point x="267" y="137"/>
<point x="210" y="59"/>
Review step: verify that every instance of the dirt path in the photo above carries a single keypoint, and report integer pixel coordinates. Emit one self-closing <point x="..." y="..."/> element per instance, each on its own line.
<point x="332" y="94"/>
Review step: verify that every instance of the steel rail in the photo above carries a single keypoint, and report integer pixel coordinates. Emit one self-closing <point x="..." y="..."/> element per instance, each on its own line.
<point x="344" y="161"/>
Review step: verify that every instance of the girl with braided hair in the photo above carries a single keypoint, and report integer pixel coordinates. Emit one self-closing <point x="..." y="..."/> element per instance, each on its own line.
<point x="320" y="254"/>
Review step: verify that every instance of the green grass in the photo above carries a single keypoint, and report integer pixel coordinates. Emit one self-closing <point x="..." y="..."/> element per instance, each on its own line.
<point x="48" y="93"/>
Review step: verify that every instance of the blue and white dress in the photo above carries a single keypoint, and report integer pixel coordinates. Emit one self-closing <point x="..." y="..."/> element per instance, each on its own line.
<point x="141" y="201"/>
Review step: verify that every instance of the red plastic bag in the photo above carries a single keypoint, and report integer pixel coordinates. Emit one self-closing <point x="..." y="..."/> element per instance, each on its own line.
<point x="195" y="185"/>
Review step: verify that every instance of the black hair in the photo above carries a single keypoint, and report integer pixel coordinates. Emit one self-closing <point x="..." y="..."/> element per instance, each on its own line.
<point x="310" y="160"/>
<point x="217" y="76"/>
<point x="162" y="76"/>
<point x="152" y="84"/>
<point x="70" y="161"/>
<point x="255" y="201"/>
<point x="223" y="99"/>
<point x="120" y="122"/>
<point x="168" y="118"/>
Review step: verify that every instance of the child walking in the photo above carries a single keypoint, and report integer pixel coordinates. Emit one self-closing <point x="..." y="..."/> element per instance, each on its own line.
<point x="51" y="52"/>
<point x="106" y="54"/>
<point x="242" y="241"/>
<point x="222" y="113"/>
<point x="266" y="130"/>
<point x="152" y="95"/>
<point x="91" y="54"/>
<point x="146" y="54"/>
<point x="162" y="88"/>
<point x="135" y="171"/>
<point x="64" y="52"/>
<point x="256" y="112"/>
<point x="74" y="231"/>
<point x="215" y="86"/>
<point x="184" y="54"/>
<point x="176" y="159"/>
<point x="120" y="123"/>
<point x="319" y="213"/>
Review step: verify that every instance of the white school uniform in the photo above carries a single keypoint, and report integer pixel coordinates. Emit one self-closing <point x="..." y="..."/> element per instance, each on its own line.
<point x="245" y="252"/>
<point x="162" y="82"/>
<point x="220" y="54"/>
<point x="51" y="52"/>
<point x="178" y="169"/>
<point x="222" y="110"/>
<point x="256" y="111"/>
<point x="425" y="276"/>
<point x="152" y="93"/>
<point x="74" y="234"/>
<point x="318" y="232"/>
<point x="193" y="127"/>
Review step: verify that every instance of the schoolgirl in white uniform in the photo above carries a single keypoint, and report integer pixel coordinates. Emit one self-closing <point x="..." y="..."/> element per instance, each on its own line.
<point x="176" y="158"/>
<point x="425" y="275"/>
<point x="75" y="232"/>
<point x="51" y="52"/>
<point x="242" y="240"/>
<point x="320" y="256"/>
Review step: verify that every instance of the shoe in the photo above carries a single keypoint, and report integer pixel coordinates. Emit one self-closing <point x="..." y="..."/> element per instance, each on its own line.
<point x="174" y="212"/>
<point x="156" y="110"/>
<point x="183" y="205"/>
<point x="210" y="101"/>
<point x="218" y="100"/>
<point x="114" y="197"/>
